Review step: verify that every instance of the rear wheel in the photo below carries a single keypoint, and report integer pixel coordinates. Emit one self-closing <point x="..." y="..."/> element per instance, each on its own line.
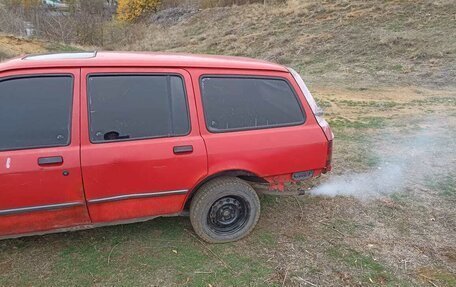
<point x="225" y="209"/>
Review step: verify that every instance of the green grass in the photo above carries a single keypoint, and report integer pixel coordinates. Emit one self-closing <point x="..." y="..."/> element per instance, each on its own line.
<point x="446" y="278"/>
<point x="397" y="68"/>
<point x="369" y="270"/>
<point x="355" y="143"/>
<point x="430" y="101"/>
<point x="246" y="271"/>
<point x="300" y="238"/>
<point x="346" y="226"/>
<point x="322" y="103"/>
<point x="152" y="253"/>
<point x="438" y="275"/>
<point x="268" y="200"/>
<point x="267" y="239"/>
<point x="364" y="156"/>
<point x="445" y="185"/>
<point x="360" y="123"/>
<point x="382" y="105"/>
<point x="397" y="25"/>
<point x="400" y="197"/>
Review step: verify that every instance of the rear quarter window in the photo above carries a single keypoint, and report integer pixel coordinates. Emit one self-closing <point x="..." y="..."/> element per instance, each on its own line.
<point x="35" y="112"/>
<point x="246" y="103"/>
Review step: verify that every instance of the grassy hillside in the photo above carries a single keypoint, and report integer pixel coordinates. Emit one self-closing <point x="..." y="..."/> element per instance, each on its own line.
<point x="367" y="42"/>
<point x="349" y="43"/>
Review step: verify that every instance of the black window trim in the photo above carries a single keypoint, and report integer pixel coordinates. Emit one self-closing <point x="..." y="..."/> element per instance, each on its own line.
<point x="236" y="76"/>
<point x="70" y="121"/>
<point x="101" y="74"/>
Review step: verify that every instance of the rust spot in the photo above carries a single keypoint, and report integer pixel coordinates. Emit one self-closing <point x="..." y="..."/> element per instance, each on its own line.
<point x="278" y="182"/>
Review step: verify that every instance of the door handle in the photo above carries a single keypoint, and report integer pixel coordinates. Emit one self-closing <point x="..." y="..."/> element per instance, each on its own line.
<point x="50" y="160"/>
<point x="183" y="149"/>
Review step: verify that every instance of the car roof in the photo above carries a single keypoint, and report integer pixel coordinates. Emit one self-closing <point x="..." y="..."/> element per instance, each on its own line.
<point x="137" y="59"/>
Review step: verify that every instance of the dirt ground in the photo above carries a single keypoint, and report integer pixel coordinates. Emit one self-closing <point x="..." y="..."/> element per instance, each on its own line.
<point x="10" y="45"/>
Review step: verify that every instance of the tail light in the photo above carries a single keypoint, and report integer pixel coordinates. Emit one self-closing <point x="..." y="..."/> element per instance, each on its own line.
<point x="329" y="157"/>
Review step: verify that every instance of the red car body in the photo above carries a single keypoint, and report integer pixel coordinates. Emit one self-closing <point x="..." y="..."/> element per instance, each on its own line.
<point x="116" y="182"/>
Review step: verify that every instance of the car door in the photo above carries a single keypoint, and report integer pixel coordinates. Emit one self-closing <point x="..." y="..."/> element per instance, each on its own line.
<point x="141" y="147"/>
<point x="40" y="174"/>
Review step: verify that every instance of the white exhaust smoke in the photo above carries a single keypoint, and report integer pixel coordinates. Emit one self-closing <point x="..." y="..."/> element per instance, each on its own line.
<point x="381" y="181"/>
<point x="404" y="161"/>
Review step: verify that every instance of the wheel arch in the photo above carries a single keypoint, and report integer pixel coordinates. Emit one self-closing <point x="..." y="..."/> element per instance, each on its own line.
<point x="239" y="173"/>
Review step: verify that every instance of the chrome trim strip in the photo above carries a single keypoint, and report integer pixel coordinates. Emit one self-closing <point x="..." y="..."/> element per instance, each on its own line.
<point x="39" y="208"/>
<point x="137" y="195"/>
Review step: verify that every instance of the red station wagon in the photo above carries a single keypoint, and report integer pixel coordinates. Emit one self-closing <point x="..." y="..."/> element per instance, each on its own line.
<point x="90" y="139"/>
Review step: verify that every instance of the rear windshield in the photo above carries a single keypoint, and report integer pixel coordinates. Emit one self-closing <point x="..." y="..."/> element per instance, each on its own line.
<point x="244" y="103"/>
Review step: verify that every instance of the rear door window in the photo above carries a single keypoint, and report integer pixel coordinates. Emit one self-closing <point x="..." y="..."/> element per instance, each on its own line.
<point x="128" y="107"/>
<point x="244" y="103"/>
<point x="35" y="112"/>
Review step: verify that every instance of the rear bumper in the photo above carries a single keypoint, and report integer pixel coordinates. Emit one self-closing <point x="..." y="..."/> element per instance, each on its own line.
<point x="277" y="184"/>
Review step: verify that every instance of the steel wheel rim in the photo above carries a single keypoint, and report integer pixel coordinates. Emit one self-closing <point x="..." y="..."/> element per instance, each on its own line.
<point x="228" y="214"/>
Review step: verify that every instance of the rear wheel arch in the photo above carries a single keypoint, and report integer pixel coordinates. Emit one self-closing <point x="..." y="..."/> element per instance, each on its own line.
<point x="239" y="173"/>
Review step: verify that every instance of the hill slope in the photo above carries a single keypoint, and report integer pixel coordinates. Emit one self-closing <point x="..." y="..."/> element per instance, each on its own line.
<point x="363" y="41"/>
<point x="349" y="43"/>
<point x="11" y="46"/>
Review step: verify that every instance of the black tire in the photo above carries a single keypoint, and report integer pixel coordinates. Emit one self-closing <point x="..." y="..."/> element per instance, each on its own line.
<point x="225" y="209"/>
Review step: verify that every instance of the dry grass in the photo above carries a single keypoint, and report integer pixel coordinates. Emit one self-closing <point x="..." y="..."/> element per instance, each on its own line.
<point x="12" y="46"/>
<point x="363" y="42"/>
